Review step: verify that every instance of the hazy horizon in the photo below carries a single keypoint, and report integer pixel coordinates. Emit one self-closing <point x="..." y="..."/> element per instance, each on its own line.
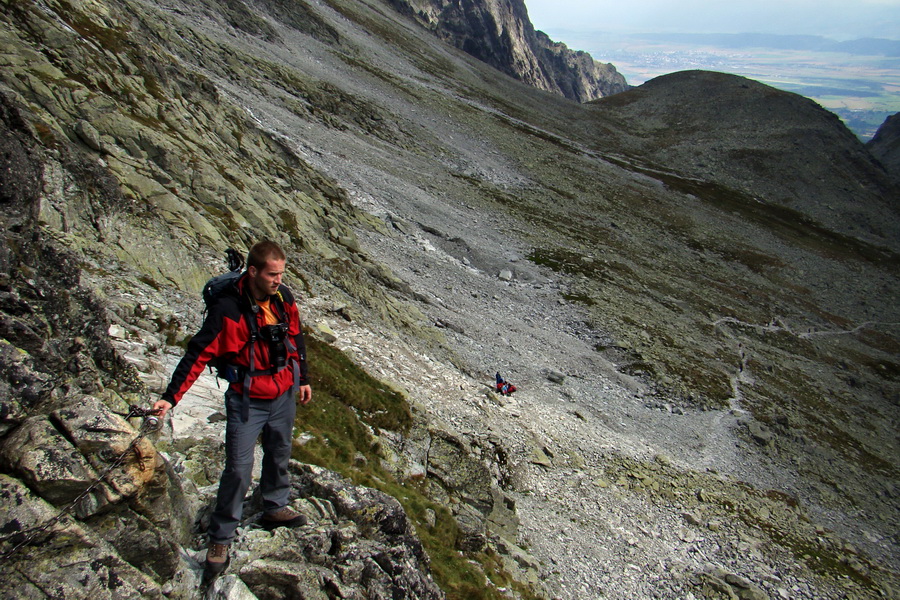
<point x="839" y="20"/>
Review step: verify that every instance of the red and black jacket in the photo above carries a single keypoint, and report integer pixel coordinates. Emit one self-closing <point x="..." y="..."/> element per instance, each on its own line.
<point x="225" y="336"/>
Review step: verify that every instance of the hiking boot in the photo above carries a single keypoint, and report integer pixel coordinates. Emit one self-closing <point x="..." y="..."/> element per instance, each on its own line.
<point x="217" y="558"/>
<point x="283" y="517"/>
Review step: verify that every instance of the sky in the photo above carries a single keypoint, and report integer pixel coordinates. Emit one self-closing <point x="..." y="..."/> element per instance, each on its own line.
<point x="838" y="19"/>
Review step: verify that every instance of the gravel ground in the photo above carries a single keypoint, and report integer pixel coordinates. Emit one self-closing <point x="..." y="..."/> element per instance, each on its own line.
<point x="595" y="534"/>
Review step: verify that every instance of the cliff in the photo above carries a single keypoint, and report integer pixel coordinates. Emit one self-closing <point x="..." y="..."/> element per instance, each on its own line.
<point x="501" y="35"/>
<point x="706" y="358"/>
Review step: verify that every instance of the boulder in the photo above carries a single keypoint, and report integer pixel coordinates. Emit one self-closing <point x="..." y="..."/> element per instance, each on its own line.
<point x="88" y="134"/>
<point x="472" y="529"/>
<point x="105" y="438"/>
<point x="452" y="462"/>
<point x="359" y="544"/>
<point x="373" y="511"/>
<point x="555" y="376"/>
<point x="140" y="542"/>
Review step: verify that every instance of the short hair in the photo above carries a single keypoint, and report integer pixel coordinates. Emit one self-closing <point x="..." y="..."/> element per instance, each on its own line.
<point x="264" y="251"/>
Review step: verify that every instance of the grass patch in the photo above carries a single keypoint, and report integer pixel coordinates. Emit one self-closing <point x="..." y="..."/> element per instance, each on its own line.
<point x="570" y="263"/>
<point x="336" y="377"/>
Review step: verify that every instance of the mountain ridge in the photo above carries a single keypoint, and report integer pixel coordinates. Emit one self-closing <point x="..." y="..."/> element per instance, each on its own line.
<point x="684" y="106"/>
<point x="864" y="46"/>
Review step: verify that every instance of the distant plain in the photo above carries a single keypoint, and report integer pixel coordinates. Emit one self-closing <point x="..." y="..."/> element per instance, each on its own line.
<point x="862" y="90"/>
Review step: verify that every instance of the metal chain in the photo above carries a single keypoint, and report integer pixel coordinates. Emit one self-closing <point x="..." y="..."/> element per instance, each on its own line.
<point x="148" y="425"/>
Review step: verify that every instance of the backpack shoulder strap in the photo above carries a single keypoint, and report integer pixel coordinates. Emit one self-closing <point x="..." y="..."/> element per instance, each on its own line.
<point x="278" y="299"/>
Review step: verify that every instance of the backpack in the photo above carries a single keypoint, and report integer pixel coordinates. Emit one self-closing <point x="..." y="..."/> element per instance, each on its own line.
<point x="212" y="290"/>
<point x="218" y="284"/>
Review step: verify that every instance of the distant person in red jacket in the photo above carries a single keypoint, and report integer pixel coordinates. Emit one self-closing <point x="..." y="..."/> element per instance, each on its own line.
<point x="253" y="335"/>
<point x="504" y="388"/>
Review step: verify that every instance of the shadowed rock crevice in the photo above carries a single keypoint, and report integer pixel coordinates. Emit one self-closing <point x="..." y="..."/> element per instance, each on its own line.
<point x="885" y="146"/>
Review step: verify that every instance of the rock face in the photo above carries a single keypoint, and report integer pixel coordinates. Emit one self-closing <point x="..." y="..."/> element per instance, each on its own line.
<point x="885" y="146"/>
<point x="501" y="34"/>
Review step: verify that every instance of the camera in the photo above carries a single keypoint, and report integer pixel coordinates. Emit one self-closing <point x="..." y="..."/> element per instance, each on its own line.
<point x="275" y="335"/>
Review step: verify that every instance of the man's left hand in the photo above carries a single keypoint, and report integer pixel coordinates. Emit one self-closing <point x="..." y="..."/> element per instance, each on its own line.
<point x="161" y="407"/>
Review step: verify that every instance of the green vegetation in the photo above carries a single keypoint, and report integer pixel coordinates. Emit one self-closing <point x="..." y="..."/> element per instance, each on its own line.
<point x="826" y="559"/>
<point x="569" y="262"/>
<point x="789" y="527"/>
<point x="350" y="404"/>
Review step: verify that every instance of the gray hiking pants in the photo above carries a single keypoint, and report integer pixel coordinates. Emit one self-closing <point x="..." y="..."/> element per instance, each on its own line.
<point x="275" y="420"/>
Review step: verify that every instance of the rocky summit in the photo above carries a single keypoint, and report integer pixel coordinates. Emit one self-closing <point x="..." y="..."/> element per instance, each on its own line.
<point x="501" y="34"/>
<point x="693" y="285"/>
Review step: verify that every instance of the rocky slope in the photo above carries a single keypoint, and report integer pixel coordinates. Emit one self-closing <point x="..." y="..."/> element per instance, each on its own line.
<point x="501" y="34"/>
<point x="707" y="380"/>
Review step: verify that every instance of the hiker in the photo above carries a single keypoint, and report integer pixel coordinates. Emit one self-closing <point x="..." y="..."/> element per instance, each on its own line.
<point x="504" y="388"/>
<point x="265" y="376"/>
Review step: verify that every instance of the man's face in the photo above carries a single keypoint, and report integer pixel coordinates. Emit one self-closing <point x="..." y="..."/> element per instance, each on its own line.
<point x="265" y="281"/>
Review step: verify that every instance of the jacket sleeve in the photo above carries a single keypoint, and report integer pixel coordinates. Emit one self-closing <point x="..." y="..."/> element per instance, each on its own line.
<point x="300" y="342"/>
<point x="206" y="345"/>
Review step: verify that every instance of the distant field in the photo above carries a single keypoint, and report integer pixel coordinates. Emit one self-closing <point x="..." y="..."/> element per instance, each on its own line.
<point x="861" y="90"/>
